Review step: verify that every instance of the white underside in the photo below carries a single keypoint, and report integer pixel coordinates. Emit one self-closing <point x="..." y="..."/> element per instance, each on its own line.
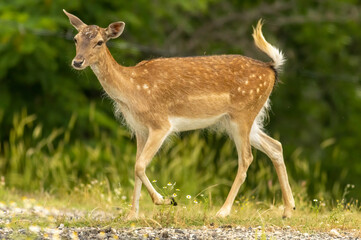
<point x="179" y="124"/>
<point x="219" y="122"/>
<point x="222" y="122"/>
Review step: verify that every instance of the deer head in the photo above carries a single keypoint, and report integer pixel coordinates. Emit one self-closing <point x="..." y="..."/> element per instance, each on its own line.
<point x="90" y="40"/>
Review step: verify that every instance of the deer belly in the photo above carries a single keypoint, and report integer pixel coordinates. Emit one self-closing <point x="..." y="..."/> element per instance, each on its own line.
<point x="185" y="124"/>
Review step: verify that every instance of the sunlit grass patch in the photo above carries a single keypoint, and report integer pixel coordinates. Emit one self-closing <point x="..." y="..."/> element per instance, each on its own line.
<point x="93" y="206"/>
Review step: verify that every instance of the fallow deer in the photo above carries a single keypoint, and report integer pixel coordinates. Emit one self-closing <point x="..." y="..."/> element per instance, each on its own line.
<point x="165" y="95"/>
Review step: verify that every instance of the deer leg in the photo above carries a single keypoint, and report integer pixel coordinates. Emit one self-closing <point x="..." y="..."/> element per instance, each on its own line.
<point x="273" y="149"/>
<point x="240" y="134"/>
<point x="152" y="145"/>
<point x="133" y="214"/>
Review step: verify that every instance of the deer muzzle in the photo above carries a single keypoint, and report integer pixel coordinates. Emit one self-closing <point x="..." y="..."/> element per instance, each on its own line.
<point x="78" y="63"/>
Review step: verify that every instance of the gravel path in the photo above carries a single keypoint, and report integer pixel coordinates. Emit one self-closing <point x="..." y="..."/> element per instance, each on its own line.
<point x="168" y="233"/>
<point x="10" y="214"/>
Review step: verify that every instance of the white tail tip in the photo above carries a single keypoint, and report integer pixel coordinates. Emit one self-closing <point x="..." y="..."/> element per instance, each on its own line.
<point x="274" y="53"/>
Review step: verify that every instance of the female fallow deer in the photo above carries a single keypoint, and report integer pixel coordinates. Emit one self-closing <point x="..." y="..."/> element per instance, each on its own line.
<point x="165" y="95"/>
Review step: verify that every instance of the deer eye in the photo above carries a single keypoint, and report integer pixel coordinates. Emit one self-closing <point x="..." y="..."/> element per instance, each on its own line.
<point x="100" y="43"/>
<point x="75" y="41"/>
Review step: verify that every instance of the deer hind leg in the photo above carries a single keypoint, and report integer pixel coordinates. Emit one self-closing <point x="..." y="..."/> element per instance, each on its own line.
<point x="239" y="131"/>
<point x="273" y="149"/>
<point x="133" y="214"/>
<point x="152" y="145"/>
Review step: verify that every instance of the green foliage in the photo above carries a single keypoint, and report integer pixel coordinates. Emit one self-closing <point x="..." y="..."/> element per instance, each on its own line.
<point x="70" y="135"/>
<point x="50" y="162"/>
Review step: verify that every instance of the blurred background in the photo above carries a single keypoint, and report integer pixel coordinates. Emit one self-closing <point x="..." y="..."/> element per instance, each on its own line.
<point x="57" y="126"/>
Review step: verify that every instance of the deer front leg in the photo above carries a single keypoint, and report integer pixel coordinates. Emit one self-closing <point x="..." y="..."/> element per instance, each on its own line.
<point x="152" y="145"/>
<point x="133" y="214"/>
<point x="240" y="134"/>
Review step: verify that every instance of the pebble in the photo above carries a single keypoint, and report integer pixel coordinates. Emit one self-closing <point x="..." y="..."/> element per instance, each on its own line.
<point x="335" y="233"/>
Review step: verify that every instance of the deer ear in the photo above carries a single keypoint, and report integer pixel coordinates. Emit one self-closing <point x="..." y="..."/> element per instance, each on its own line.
<point x="75" y="21"/>
<point x="114" y="30"/>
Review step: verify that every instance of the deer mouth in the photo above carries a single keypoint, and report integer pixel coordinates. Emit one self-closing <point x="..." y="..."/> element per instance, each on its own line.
<point x="79" y="64"/>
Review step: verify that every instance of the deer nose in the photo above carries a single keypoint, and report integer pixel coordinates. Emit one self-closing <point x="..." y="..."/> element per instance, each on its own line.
<point x="78" y="63"/>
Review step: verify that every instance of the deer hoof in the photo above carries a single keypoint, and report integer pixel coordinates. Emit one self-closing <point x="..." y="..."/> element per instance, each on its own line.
<point x="287" y="213"/>
<point x="222" y="213"/>
<point x="173" y="202"/>
<point x="132" y="216"/>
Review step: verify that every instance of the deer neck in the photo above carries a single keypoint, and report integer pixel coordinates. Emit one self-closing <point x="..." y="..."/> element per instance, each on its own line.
<point x="111" y="76"/>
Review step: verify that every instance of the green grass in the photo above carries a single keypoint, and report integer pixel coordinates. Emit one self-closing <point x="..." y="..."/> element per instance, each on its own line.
<point x="310" y="216"/>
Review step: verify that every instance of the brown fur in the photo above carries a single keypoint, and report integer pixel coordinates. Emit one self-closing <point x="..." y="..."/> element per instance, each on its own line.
<point x="188" y="90"/>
